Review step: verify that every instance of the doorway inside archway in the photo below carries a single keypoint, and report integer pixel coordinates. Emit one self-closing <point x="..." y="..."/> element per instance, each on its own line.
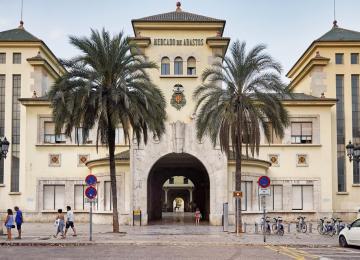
<point x="177" y="185"/>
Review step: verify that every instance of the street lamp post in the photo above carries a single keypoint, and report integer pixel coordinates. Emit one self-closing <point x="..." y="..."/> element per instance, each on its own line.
<point x="4" y="148"/>
<point x="353" y="152"/>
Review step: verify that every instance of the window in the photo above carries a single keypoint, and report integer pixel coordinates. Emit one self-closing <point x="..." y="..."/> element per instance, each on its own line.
<point x="79" y="197"/>
<point x="178" y="66"/>
<point x="15" y="144"/>
<point x="275" y="200"/>
<point x="274" y="139"/>
<point x="107" y="196"/>
<point x="2" y="121"/>
<point x="191" y="66"/>
<point x="302" y="197"/>
<point x="165" y="66"/>
<point x="16" y="58"/>
<point x="186" y="180"/>
<point x="339" y="58"/>
<point x="79" y="136"/>
<point x="354" y="58"/>
<point x="2" y="58"/>
<point x="119" y="136"/>
<point x="246" y="188"/>
<point x="54" y="197"/>
<point x="301" y="132"/>
<point x="355" y="93"/>
<point x="49" y="134"/>
<point x="340" y="129"/>
<point x="171" y="180"/>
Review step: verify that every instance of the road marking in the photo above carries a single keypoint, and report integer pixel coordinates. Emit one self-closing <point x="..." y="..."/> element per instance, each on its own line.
<point x="292" y="252"/>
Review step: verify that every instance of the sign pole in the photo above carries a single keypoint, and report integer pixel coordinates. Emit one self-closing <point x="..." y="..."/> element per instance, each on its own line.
<point x="264" y="216"/>
<point x="91" y="220"/>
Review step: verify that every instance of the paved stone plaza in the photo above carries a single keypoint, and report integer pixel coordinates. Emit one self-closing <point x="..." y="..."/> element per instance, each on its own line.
<point x="186" y="234"/>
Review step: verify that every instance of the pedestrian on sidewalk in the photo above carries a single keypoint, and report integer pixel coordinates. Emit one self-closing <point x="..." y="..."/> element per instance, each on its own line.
<point x="9" y="223"/>
<point x="60" y="223"/>
<point x="70" y="221"/>
<point x="18" y="220"/>
<point x="197" y="216"/>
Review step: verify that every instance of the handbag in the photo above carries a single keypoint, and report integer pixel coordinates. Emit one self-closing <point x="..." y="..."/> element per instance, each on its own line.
<point x="12" y="226"/>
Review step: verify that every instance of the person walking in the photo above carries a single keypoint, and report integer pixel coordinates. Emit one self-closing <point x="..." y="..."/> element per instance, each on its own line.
<point x="61" y="223"/>
<point x="18" y="220"/>
<point x="9" y="223"/>
<point x="70" y="221"/>
<point x="197" y="216"/>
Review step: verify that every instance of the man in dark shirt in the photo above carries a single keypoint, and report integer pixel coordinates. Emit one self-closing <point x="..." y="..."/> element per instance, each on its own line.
<point x="18" y="220"/>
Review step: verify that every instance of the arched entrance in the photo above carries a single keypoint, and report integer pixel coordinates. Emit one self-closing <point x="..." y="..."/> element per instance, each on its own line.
<point x="163" y="186"/>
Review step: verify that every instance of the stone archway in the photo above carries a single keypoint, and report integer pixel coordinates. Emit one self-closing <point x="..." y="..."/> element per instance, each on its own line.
<point x="175" y="164"/>
<point x="180" y="138"/>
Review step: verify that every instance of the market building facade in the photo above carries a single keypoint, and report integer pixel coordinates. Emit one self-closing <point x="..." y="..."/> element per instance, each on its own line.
<point x="44" y="171"/>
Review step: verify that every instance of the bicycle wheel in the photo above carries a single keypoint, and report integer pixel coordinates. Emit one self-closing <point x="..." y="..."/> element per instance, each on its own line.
<point x="332" y="232"/>
<point x="320" y="229"/>
<point x="273" y="227"/>
<point x="304" y="228"/>
<point x="281" y="231"/>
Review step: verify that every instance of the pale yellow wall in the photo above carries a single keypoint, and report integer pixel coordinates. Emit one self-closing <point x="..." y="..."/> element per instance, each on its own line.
<point x="348" y="201"/>
<point x="203" y="55"/>
<point x="27" y="86"/>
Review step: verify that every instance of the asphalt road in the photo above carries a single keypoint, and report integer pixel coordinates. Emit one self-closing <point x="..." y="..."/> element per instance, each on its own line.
<point x="177" y="252"/>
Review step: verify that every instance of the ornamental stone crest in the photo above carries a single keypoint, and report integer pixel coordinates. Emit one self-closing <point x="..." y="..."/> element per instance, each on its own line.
<point x="178" y="98"/>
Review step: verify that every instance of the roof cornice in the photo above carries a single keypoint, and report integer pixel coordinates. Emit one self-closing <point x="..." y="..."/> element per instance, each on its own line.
<point x="311" y="49"/>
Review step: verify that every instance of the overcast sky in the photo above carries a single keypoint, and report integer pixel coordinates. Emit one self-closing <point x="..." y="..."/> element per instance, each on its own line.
<point x="287" y="27"/>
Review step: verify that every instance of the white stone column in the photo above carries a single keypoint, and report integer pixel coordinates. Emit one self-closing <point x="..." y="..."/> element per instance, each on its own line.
<point x="191" y="194"/>
<point x="166" y="196"/>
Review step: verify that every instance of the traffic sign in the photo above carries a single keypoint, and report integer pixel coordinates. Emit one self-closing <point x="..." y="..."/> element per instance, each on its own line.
<point x="264" y="192"/>
<point x="90" y="180"/>
<point x="90" y="192"/>
<point x="264" y="181"/>
<point x="237" y="194"/>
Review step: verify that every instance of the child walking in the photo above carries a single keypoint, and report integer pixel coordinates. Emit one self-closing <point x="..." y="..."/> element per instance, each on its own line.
<point x="9" y="223"/>
<point x="61" y="223"/>
<point x="197" y="216"/>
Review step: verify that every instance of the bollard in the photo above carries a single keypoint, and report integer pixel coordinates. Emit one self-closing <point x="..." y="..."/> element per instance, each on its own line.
<point x="245" y="227"/>
<point x="310" y="227"/>
<point x="256" y="228"/>
<point x="289" y="227"/>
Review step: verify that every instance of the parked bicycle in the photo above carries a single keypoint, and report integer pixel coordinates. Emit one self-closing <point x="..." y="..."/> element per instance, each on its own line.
<point x="321" y="226"/>
<point x="265" y="225"/>
<point x="339" y="225"/>
<point x="278" y="227"/>
<point x="327" y="226"/>
<point x="301" y="224"/>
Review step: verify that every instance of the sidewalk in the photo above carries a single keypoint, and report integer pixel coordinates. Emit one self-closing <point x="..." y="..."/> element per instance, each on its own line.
<point x="187" y="235"/>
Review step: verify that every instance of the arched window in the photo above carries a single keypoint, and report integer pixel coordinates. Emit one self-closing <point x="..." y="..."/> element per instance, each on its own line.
<point x="191" y="66"/>
<point x="178" y="66"/>
<point x="165" y="66"/>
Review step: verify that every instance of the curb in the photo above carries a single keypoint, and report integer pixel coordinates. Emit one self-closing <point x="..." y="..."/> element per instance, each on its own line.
<point x="158" y="243"/>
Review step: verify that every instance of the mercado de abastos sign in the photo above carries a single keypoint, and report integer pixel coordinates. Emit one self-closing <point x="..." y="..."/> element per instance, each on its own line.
<point x="178" y="42"/>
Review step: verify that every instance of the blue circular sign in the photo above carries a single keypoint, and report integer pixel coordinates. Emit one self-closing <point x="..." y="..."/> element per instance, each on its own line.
<point x="264" y="181"/>
<point x="91" y="180"/>
<point x="90" y="192"/>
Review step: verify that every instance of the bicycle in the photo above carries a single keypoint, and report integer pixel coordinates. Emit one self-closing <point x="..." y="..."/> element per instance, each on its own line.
<point x="321" y="226"/>
<point x="329" y="227"/>
<point x="267" y="227"/>
<point x="338" y="225"/>
<point x="301" y="225"/>
<point x="278" y="227"/>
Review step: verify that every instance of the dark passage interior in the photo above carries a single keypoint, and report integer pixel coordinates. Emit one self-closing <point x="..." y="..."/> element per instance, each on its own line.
<point x="162" y="192"/>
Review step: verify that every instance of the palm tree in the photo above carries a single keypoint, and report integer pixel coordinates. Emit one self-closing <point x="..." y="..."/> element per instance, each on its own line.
<point x="105" y="87"/>
<point x="240" y="94"/>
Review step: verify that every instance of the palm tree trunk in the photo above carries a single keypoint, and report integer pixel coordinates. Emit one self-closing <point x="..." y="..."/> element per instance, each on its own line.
<point x="238" y="155"/>
<point x="111" y="143"/>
